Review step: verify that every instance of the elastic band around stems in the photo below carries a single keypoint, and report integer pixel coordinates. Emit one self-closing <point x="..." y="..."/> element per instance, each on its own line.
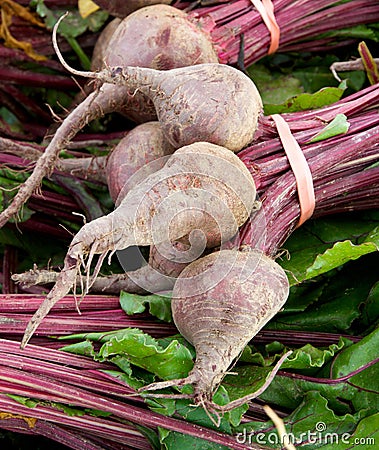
<point x="300" y="168"/>
<point x="266" y="10"/>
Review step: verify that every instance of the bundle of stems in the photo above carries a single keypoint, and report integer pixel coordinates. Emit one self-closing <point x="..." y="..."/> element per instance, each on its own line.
<point x="64" y="394"/>
<point x="229" y="25"/>
<point x="344" y="170"/>
<point x="103" y="313"/>
<point x="98" y="313"/>
<point x="236" y="29"/>
<point x="50" y="378"/>
<point x="304" y="26"/>
<point x="345" y="156"/>
<point x="54" y="379"/>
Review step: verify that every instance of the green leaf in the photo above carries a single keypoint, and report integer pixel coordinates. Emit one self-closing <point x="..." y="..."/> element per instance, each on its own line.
<point x="366" y="435"/>
<point x="357" y="356"/>
<point x="185" y="409"/>
<point x="370" y="308"/>
<point x="99" y="336"/>
<point x="171" y="440"/>
<point x="159" y="306"/>
<point x="84" y="348"/>
<point x="314" y="248"/>
<point x="173" y="361"/>
<point x="309" y="356"/>
<point x="249" y="377"/>
<point x="339" y="254"/>
<point x="73" y="25"/>
<point x="26" y="401"/>
<point x="168" y="358"/>
<point x="335" y="301"/>
<point x="245" y="380"/>
<point x="310" y="425"/>
<point x="350" y="384"/>
<point x="339" y="125"/>
<point x="69" y="410"/>
<point x="10" y="119"/>
<point x="274" y="87"/>
<point x="305" y="101"/>
<point x="358" y="32"/>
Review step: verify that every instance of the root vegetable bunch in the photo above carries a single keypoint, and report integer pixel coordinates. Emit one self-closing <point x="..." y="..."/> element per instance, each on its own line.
<point x="163" y="37"/>
<point x="220" y="301"/>
<point x="202" y="196"/>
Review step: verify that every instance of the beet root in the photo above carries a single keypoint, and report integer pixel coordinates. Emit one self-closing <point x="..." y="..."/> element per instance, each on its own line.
<point x="202" y="187"/>
<point x="144" y="39"/>
<point x="141" y="152"/>
<point x="159" y="37"/>
<point x="206" y="102"/>
<point x="102" y="45"/>
<point x="121" y="8"/>
<point x="219" y="304"/>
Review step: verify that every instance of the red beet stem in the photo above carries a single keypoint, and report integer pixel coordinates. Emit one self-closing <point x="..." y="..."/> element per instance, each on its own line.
<point x="340" y="170"/>
<point x="302" y="23"/>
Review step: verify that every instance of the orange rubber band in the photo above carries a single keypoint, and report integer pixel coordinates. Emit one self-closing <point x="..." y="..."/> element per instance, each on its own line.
<point x="300" y="168"/>
<point x="266" y="10"/>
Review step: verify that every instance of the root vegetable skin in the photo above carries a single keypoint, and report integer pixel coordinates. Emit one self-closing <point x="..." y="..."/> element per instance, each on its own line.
<point x="167" y="206"/>
<point x="102" y="45"/>
<point x="140" y="153"/>
<point x="159" y="37"/>
<point x="235" y="293"/>
<point x="206" y="102"/>
<point x="121" y="8"/>
<point x="155" y="21"/>
<point x="162" y="38"/>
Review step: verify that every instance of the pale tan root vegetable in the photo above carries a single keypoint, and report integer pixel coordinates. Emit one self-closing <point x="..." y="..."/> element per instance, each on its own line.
<point x="141" y="152"/>
<point x="102" y="45"/>
<point x="121" y="8"/>
<point x="145" y="38"/>
<point x="219" y="304"/>
<point x="206" y="102"/>
<point x="199" y="182"/>
<point x="159" y="37"/>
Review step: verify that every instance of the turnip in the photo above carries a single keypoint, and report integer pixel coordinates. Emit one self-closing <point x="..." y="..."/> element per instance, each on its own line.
<point x="202" y="187"/>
